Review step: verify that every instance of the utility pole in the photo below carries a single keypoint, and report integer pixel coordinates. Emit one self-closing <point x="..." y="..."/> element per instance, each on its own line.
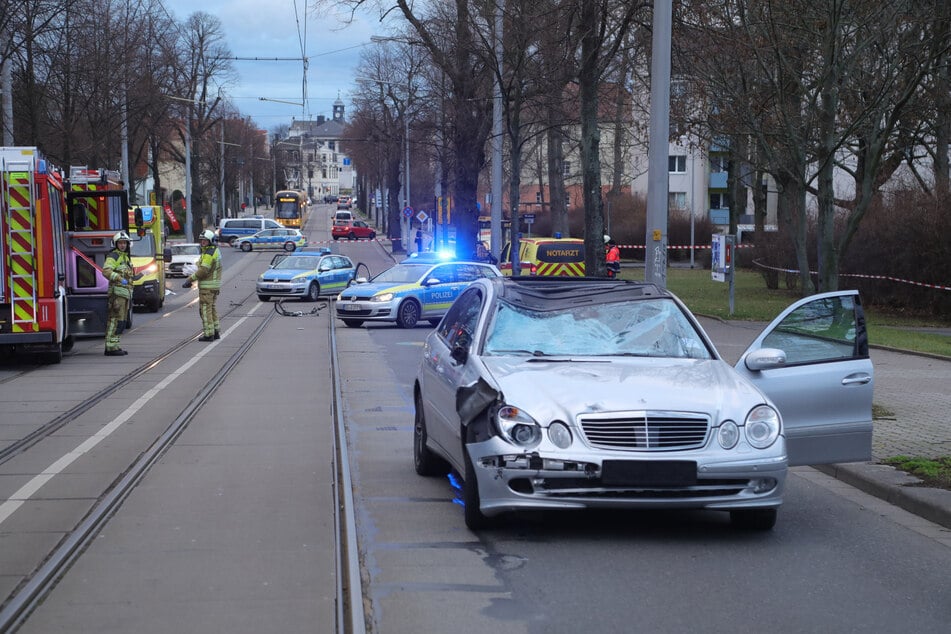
<point x="655" y="259"/>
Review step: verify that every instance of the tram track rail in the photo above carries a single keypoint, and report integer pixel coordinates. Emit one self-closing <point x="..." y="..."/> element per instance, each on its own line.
<point x="32" y="591"/>
<point x="17" y="447"/>
<point x="36" y="586"/>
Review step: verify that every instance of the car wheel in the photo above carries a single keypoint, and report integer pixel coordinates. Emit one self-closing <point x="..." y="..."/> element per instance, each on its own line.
<point x="264" y="298"/>
<point x="353" y="323"/>
<point x="245" y="246"/>
<point x="407" y="314"/>
<point x="754" y="519"/>
<point x="313" y="292"/>
<point x="352" y="236"/>
<point x="372" y="236"/>
<point x="336" y="238"/>
<point x="426" y="462"/>
<point x="153" y="305"/>
<point x="475" y="519"/>
<point x="232" y="240"/>
<point x="289" y="246"/>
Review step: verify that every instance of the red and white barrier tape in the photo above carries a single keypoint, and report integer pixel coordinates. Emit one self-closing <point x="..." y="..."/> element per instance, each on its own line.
<point x="889" y="278"/>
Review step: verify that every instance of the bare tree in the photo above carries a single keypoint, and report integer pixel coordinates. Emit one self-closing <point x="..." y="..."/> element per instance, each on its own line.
<point x="818" y="86"/>
<point x="205" y="67"/>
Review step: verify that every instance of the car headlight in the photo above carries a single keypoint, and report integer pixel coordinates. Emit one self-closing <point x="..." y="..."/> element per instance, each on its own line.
<point x="151" y="268"/>
<point x="517" y="427"/>
<point x="559" y="435"/>
<point x="762" y="426"/>
<point x="382" y="297"/>
<point x="728" y="434"/>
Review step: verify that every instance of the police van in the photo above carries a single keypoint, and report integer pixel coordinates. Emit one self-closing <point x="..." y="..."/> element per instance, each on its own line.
<point x="231" y="229"/>
<point x="554" y="256"/>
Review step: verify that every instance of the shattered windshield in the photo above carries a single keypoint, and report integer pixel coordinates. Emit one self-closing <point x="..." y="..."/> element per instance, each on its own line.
<point x="649" y="328"/>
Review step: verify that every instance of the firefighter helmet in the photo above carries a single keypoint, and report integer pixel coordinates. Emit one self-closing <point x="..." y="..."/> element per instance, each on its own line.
<point x="208" y="235"/>
<point x="607" y="238"/>
<point x="121" y="235"/>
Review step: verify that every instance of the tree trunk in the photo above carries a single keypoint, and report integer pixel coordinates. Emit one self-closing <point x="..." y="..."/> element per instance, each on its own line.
<point x="588" y="82"/>
<point x="556" y="176"/>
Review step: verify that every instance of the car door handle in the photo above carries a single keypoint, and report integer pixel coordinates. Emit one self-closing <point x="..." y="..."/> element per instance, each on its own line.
<point x="856" y="379"/>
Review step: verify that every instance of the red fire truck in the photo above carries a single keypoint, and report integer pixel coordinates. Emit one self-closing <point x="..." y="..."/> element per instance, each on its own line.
<point x="33" y="297"/>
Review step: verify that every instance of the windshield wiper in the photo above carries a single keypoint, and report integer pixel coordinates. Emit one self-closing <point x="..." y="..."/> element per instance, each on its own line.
<point x="534" y="353"/>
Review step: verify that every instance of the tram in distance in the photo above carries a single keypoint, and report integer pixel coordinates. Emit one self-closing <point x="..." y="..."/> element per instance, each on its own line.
<point x="290" y="208"/>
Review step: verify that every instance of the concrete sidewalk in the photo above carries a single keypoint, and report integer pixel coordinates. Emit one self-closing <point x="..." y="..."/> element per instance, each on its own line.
<point x="913" y="391"/>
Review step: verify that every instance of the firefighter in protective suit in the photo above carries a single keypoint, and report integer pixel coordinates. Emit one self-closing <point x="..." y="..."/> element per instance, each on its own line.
<point x="208" y="277"/>
<point x="118" y="270"/>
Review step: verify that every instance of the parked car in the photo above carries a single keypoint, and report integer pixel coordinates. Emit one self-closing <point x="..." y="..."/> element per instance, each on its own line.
<point x="352" y="230"/>
<point x="409" y="292"/>
<point x="230" y="229"/>
<point x="570" y="393"/>
<point x="287" y="239"/>
<point x="307" y="275"/>
<point x="183" y="254"/>
<point x="344" y="202"/>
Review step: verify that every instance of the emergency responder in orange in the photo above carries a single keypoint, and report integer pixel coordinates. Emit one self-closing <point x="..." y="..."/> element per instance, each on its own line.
<point x="612" y="257"/>
<point x="118" y="270"/>
<point x="208" y="276"/>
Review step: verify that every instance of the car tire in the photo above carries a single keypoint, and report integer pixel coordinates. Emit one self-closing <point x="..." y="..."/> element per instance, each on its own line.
<point x="289" y="246"/>
<point x="753" y="519"/>
<point x="313" y="292"/>
<point x="231" y="240"/>
<point x="407" y="314"/>
<point x="153" y="304"/>
<point x="425" y="461"/>
<point x="264" y="298"/>
<point x="475" y="519"/>
<point x="336" y="238"/>
<point x="245" y="246"/>
<point x="353" y="323"/>
<point x="352" y="236"/>
<point x="372" y="236"/>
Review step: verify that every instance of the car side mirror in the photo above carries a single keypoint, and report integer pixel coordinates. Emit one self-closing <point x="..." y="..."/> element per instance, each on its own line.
<point x="360" y="280"/>
<point x="432" y="281"/>
<point x="167" y="255"/>
<point x="459" y="352"/>
<point x="765" y="359"/>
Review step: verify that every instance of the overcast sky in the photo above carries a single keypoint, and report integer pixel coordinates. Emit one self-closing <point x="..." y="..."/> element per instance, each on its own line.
<point x="269" y="29"/>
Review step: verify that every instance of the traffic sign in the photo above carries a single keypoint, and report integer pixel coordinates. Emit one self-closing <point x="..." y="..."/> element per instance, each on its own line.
<point x="407" y="212"/>
<point x="422" y="216"/>
<point x="528" y="218"/>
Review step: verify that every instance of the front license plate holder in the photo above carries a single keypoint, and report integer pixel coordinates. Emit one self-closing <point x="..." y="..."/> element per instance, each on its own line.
<point x="650" y="473"/>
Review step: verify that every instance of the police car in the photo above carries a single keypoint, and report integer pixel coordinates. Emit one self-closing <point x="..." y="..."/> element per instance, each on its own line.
<point x="286" y="239"/>
<point x="307" y="275"/>
<point x="418" y="288"/>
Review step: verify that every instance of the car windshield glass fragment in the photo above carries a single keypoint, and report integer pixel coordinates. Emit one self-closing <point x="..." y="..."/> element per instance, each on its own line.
<point x="402" y="274"/>
<point x="655" y="328"/>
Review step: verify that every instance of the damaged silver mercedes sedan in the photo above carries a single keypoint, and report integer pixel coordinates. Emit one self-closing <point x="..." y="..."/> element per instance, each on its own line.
<point x="571" y="393"/>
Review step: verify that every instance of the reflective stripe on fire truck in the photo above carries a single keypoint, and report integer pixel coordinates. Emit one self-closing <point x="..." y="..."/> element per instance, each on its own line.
<point x="17" y="189"/>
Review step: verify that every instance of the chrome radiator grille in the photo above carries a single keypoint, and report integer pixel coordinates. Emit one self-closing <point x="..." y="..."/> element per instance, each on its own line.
<point x="646" y="431"/>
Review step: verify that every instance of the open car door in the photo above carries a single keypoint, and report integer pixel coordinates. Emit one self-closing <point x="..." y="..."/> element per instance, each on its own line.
<point x="824" y="388"/>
